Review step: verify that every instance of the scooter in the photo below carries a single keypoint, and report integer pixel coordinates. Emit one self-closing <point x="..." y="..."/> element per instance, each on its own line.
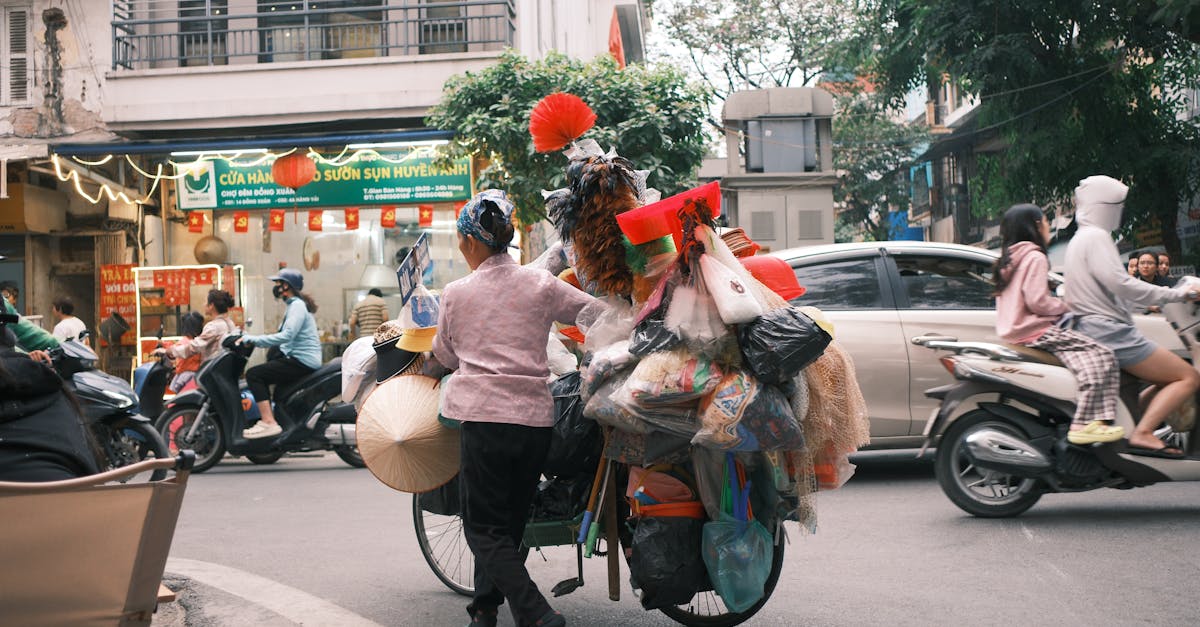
<point x="211" y="418"/>
<point x="110" y="408"/>
<point x="1001" y="427"/>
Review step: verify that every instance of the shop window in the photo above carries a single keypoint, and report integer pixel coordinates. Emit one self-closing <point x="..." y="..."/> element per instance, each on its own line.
<point x="292" y="30"/>
<point x="15" y="77"/>
<point x="202" y="41"/>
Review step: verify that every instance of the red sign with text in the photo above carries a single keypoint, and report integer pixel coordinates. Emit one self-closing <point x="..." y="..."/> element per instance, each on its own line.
<point x="119" y="293"/>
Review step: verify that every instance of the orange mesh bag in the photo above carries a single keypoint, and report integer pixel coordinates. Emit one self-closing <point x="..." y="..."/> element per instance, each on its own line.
<point x="837" y="422"/>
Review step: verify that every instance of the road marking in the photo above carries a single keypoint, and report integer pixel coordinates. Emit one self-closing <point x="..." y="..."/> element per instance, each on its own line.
<point x="1028" y="533"/>
<point x="293" y="604"/>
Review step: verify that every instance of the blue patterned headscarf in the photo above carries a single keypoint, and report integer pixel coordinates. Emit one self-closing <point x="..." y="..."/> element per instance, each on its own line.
<point x="468" y="218"/>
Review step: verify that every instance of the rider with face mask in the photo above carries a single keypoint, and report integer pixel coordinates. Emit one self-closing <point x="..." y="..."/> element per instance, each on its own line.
<point x="300" y="350"/>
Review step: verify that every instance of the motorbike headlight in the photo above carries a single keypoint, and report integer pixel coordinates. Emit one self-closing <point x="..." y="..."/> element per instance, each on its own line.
<point x="122" y="400"/>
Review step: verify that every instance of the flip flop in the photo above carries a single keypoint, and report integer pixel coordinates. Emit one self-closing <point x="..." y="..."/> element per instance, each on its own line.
<point x="1166" y="452"/>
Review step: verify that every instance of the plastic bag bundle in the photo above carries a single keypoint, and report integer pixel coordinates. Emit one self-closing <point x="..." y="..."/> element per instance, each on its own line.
<point x="781" y="343"/>
<point x="421" y="310"/>
<point x="678" y="419"/>
<point x="672" y="377"/>
<point x="666" y="560"/>
<point x="693" y="316"/>
<point x="605" y="322"/>
<point x="604" y="408"/>
<point x="735" y="300"/>
<point x="604" y="364"/>
<point x="358" y="371"/>
<point x="738" y="550"/>
<point x="743" y="414"/>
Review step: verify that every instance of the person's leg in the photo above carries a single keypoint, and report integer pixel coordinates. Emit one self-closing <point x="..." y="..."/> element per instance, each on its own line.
<point x="259" y="379"/>
<point x="1176" y="380"/>
<point x="500" y="467"/>
<point x="1097" y="376"/>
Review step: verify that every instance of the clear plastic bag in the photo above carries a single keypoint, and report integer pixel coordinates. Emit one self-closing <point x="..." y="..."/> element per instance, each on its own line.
<point x="604" y="408"/>
<point x="605" y="322"/>
<point x="742" y="414"/>
<point x="738" y="550"/>
<point x="735" y="300"/>
<point x="672" y="377"/>
<point x="421" y="310"/>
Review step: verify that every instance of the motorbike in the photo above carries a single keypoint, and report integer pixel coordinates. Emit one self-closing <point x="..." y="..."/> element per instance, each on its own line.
<point x="1001" y="427"/>
<point x="210" y="419"/>
<point x="110" y="408"/>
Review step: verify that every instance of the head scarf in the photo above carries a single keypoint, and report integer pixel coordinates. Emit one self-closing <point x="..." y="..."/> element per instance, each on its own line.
<point x="468" y="218"/>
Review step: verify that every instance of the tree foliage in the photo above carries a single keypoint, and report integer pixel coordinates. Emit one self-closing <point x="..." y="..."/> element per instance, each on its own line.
<point x="1072" y="89"/>
<point x="870" y="150"/>
<point x="753" y="44"/>
<point x="651" y="115"/>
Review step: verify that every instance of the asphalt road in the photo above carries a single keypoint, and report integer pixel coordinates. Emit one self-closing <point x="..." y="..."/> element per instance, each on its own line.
<point x="312" y="541"/>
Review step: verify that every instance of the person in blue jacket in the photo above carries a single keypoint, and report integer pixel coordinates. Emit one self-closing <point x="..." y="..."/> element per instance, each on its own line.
<point x="299" y="350"/>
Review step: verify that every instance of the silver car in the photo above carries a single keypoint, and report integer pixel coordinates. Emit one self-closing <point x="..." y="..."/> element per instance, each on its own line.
<point x="879" y="295"/>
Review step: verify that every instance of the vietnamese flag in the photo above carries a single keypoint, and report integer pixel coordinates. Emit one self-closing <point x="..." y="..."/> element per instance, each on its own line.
<point x="387" y="219"/>
<point x="276" y="220"/>
<point x="352" y="219"/>
<point x="424" y="216"/>
<point x="195" y="222"/>
<point x="315" y="219"/>
<point x="241" y="221"/>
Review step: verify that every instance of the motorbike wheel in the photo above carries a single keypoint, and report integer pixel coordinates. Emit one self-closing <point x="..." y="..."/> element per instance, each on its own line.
<point x="350" y="455"/>
<point x="265" y="458"/>
<point x="977" y="491"/>
<point x="706" y="609"/>
<point x="208" y="442"/>
<point x="130" y="442"/>
<point x="445" y="549"/>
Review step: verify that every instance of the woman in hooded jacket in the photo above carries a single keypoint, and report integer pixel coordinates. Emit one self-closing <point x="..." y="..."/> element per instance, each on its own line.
<point x="1027" y="313"/>
<point x="1102" y="295"/>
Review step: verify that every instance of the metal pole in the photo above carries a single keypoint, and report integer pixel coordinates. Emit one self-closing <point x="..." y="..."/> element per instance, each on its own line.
<point x="208" y="25"/>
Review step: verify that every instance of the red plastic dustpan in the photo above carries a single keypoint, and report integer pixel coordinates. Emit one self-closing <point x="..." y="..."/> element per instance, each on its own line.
<point x="660" y="219"/>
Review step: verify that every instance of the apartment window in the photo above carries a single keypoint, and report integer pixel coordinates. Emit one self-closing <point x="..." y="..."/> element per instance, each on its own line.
<point x="15" y="83"/>
<point x="293" y="30"/>
<point x="442" y="28"/>
<point x="202" y="41"/>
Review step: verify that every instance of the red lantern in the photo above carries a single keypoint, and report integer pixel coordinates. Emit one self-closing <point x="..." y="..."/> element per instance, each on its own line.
<point x="294" y="170"/>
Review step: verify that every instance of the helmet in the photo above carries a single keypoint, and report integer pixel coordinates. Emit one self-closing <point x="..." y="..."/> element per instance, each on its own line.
<point x="775" y="273"/>
<point x="291" y="277"/>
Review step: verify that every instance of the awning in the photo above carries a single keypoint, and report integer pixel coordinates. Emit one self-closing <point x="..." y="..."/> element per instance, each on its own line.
<point x="230" y="145"/>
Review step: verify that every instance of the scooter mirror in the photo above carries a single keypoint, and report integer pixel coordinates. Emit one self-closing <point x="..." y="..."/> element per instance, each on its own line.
<point x="249" y="322"/>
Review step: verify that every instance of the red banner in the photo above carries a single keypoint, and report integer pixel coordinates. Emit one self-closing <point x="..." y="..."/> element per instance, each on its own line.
<point x="351" y="219"/>
<point x="458" y="208"/>
<point x="195" y="222"/>
<point x="387" y="218"/>
<point x="241" y="221"/>
<point x="119" y="293"/>
<point x="425" y="216"/>
<point x="315" y="219"/>
<point x="276" y="220"/>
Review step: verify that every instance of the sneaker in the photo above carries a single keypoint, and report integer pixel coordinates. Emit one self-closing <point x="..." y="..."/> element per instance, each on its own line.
<point x="1095" y="432"/>
<point x="551" y="619"/>
<point x="262" y="430"/>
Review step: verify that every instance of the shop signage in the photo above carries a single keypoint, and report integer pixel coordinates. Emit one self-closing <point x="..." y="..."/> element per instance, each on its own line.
<point x="389" y="178"/>
<point x="118" y="293"/>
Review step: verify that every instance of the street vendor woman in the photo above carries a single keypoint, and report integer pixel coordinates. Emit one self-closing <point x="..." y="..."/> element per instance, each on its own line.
<point x="492" y="331"/>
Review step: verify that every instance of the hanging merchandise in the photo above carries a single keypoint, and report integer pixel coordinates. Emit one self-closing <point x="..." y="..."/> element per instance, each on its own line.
<point x="743" y="414"/>
<point x="604" y="409"/>
<point x="672" y="377"/>
<point x="781" y="343"/>
<point x="575" y="442"/>
<point x="731" y="293"/>
<point x="666" y="561"/>
<point x="738" y="550"/>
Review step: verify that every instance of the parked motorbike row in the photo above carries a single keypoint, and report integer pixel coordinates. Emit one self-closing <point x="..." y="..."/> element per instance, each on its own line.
<point x="1001" y="427"/>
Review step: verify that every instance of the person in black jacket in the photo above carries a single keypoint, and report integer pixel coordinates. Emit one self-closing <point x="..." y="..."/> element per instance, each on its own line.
<point x="42" y="435"/>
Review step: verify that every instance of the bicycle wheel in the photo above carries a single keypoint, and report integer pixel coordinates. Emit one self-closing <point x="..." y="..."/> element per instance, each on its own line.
<point x="707" y="610"/>
<point x="445" y="548"/>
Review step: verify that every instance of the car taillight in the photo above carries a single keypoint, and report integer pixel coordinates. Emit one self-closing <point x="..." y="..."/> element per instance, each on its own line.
<point x="948" y="362"/>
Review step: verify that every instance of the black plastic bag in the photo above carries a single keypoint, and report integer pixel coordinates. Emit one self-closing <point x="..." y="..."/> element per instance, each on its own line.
<point x="561" y="498"/>
<point x="443" y="500"/>
<point x="667" y="561"/>
<point x="780" y="343"/>
<point x="650" y="336"/>
<point x="575" y="442"/>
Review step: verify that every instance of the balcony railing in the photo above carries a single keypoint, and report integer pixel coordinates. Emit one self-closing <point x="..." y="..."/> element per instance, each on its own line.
<point x="153" y="34"/>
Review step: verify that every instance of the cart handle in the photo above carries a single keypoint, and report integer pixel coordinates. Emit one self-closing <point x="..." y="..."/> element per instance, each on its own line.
<point x="182" y="464"/>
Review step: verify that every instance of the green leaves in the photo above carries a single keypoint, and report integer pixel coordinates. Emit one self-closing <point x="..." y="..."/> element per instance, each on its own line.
<point x="651" y="115"/>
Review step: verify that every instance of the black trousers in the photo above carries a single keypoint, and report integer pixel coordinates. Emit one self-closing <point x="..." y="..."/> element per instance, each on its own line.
<point x="276" y="371"/>
<point x="501" y="466"/>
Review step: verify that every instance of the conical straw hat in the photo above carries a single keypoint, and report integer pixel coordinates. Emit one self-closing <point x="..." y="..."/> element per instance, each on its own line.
<point x="400" y="438"/>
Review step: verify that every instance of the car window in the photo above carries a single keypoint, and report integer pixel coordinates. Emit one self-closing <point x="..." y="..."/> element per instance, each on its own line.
<point x="946" y="282"/>
<point x="849" y="284"/>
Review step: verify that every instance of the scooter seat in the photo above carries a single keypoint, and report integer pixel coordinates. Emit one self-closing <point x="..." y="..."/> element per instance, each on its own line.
<point x="284" y="391"/>
<point x="1034" y="355"/>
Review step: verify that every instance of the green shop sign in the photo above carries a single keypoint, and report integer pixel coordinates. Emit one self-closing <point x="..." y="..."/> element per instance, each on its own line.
<point x="369" y="179"/>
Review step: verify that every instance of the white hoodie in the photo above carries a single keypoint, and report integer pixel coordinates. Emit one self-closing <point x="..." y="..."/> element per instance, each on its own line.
<point x="1097" y="283"/>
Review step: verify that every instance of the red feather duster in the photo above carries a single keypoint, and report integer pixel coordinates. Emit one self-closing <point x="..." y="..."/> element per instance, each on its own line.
<point x="559" y="119"/>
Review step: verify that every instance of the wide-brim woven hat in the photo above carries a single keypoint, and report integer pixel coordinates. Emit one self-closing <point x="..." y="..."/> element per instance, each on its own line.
<point x="400" y="438"/>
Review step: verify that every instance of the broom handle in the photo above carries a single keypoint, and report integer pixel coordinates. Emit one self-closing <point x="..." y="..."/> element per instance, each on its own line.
<point x="587" y="515"/>
<point x="613" y="541"/>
